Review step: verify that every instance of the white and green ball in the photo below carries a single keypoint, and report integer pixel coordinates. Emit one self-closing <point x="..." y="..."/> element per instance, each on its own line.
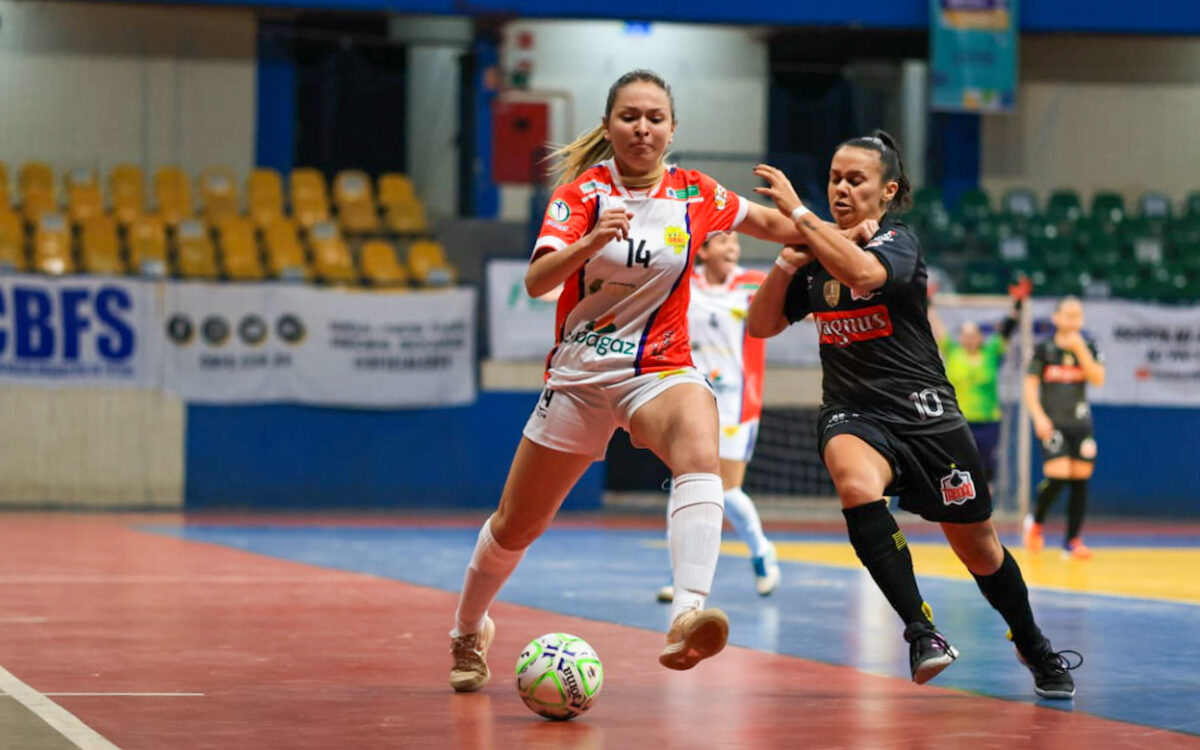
<point x="559" y="676"/>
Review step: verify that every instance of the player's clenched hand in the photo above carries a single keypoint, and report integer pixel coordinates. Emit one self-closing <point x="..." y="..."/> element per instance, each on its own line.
<point x="1043" y="427"/>
<point x="861" y="234"/>
<point x="1072" y="342"/>
<point x="779" y="188"/>
<point x="798" y="255"/>
<point x="613" y="224"/>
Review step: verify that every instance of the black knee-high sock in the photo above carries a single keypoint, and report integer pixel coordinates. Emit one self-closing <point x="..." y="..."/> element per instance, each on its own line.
<point x="1077" y="507"/>
<point x="1005" y="590"/>
<point x="882" y="548"/>
<point x="1047" y="493"/>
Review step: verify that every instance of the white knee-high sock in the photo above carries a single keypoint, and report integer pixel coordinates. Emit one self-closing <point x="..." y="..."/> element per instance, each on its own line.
<point x="490" y="567"/>
<point x="696" y="507"/>
<point x="742" y="514"/>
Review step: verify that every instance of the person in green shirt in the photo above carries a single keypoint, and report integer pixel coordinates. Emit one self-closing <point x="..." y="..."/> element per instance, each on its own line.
<point x="973" y="364"/>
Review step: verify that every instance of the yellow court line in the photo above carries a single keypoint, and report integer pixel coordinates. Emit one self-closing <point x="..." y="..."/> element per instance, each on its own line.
<point x="1143" y="572"/>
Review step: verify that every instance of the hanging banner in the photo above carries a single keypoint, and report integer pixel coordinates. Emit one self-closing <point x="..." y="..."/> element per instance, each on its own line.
<point x="276" y="342"/>
<point x="82" y="331"/>
<point x="973" y="55"/>
<point x="521" y="328"/>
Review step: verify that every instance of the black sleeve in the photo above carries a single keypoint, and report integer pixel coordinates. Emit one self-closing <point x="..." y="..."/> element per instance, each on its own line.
<point x="1010" y="323"/>
<point x="897" y="249"/>
<point x="796" y="304"/>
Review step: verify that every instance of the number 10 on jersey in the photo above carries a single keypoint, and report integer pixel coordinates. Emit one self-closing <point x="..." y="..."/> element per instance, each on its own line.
<point x="928" y="403"/>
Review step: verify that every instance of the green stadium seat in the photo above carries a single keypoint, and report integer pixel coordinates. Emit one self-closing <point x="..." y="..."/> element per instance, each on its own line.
<point x="1101" y="251"/>
<point x="1019" y="202"/>
<point x="981" y="239"/>
<point x="1144" y="240"/>
<point x="1064" y="206"/>
<point x="974" y="206"/>
<point x="1126" y="283"/>
<point x="984" y="277"/>
<point x="1192" y="204"/>
<point x="1185" y="243"/>
<point x="1155" y="205"/>
<point x="924" y="199"/>
<point x="1057" y="253"/>
<point x="1166" y="283"/>
<point x="1108" y="207"/>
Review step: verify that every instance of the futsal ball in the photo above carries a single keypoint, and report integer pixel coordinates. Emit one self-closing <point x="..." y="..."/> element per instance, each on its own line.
<point x="559" y="676"/>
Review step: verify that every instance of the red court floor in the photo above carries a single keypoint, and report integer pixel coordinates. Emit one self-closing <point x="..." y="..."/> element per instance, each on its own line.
<point x="150" y="642"/>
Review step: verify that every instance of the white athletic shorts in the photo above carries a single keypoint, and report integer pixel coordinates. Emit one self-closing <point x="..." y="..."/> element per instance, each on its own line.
<point x="581" y="418"/>
<point x="737" y="440"/>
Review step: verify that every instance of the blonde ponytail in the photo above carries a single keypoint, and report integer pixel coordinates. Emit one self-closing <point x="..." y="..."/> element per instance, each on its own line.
<point x="573" y="159"/>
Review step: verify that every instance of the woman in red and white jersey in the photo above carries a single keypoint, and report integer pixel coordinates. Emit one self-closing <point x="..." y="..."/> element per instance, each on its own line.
<point x="733" y="361"/>
<point x="620" y="236"/>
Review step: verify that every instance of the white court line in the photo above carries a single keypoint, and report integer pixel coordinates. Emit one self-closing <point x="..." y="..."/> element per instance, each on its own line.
<point x="19" y="619"/>
<point x="132" y="695"/>
<point x="62" y="720"/>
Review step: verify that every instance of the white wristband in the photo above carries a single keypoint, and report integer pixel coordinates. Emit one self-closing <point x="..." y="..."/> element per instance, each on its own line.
<point x="799" y="211"/>
<point x="788" y="267"/>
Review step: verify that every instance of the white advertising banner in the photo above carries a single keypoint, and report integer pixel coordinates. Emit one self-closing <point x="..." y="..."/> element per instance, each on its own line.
<point x="274" y="342"/>
<point x="81" y="331"/>
<point x="521" y="327"/>
<point x="1152" y="353"/>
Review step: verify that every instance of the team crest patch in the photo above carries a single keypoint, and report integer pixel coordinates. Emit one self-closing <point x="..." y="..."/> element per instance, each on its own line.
<point x="676" y="238"/>
<point x="559" y="211"/>
<point x="833" y="292"/>
<point x="957" y="487"/>
<point x="720" y="198"/>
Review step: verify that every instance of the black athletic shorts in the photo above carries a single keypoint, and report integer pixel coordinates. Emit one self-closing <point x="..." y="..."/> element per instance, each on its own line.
<point x="1074" y="441"/>
<point x="939" y="477"/>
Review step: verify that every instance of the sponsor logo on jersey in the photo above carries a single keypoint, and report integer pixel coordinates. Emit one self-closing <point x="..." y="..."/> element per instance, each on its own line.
<point x="737" y="314"/>
<point x="659" y="350"/>
<point x="619" y="289"/>
<point x="879" y="239"/>
<point x="556" y="224"/>
<point x="832" y="292"/>
<point x="844" y="328"/>
<point x="559" y="211"/>
<point x="855" y="295"/>
<point x="592" y="186"/>
<point x="1087" y="448"/>
<point x="731" y="431"/>
<point x="957" y="487"/>
<point x="720" y="198"/>
<point x="1062" y="374"/>
<point x="683" y="194"/>
<point x="595" y="286"/>
<point x="677" y="238"/>
<point x="603" y="324"/>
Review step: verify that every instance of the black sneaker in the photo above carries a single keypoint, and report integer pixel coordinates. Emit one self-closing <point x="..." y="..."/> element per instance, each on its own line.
<point x="928" y="651"/>
<point x="1052" y="670"/>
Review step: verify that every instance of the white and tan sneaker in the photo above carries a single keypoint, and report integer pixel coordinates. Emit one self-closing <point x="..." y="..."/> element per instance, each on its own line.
<point x="695" y="635"/>
<point x="470" y="671"/>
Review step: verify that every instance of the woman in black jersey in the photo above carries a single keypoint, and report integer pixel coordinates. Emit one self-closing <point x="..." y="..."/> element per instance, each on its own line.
<point x="889" y="422"/>
<point x="1056" y="384"/>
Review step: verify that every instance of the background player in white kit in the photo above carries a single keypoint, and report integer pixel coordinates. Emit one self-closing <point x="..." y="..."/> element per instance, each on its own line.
<point x="733" y="362"/>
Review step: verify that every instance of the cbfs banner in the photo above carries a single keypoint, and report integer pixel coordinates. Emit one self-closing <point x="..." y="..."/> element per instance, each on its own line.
<point x="79" y="332"/>
<point x="257" y="343"/>
<point x="973" y="55"/>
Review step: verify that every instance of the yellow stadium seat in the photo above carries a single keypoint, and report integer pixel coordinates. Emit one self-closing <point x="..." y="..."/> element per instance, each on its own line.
<point x="218" y="194"/>
<point x="194" y="255"/>
<point x="380" y="266"/>
<point x="427" y="264"/>
<point x="310" y="199"/>
<point x="148" y="246"/>
<point x="264" y="192"/>
<point x="35" y="183"/>
<point x="12" y="241"/>
<point x="402" y="209"/>
<point x="4" y="201"/>
<point x="355" y="202"/>
<point x="173" y="194"/>
<point x="52" y="245"/>
<point x="239" y="251"/>
<point x="127" y="186"/>
<point x="84" y="200"/>
<point x="285" y="254"/>
<point x="99" y="249"/>
<point x="331" y="255"/>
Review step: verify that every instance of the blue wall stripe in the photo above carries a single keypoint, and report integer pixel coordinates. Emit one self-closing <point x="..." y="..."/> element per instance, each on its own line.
<point x="275" y="132"/>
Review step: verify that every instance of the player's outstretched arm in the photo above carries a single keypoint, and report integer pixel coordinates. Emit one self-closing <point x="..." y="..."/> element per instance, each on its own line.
<point x="766" y="316"/>
<point x="858" y="269"/>
<point x="553" y="267"/>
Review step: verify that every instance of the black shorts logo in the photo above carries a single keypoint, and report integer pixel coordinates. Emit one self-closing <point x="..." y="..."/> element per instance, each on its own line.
<point x="957" y="487"/>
